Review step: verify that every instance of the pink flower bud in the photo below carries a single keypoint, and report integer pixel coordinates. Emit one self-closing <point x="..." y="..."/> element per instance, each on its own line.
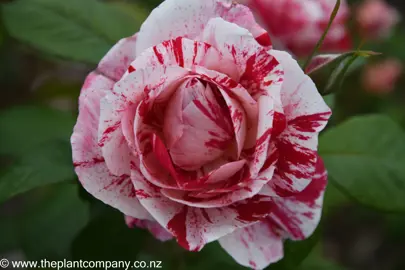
<point x="375" y="19"/>
<point x="381" y="78"/>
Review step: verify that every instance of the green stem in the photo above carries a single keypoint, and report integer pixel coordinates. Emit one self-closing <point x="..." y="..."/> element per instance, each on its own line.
<point x="320" y="42"/>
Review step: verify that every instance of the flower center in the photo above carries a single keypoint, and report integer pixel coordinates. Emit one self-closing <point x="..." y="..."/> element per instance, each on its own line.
<point x="197" y="125"/>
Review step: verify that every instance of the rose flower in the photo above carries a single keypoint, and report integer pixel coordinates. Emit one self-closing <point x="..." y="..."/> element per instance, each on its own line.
<point x="195" y="128"/>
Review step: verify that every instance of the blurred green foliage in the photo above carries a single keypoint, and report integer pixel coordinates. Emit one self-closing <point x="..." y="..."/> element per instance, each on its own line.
<point x="77" y="30"/>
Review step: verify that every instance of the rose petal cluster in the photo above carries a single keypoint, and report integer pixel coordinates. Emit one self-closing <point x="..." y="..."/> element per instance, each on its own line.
<point x="196" y="128"/>
<point x="298" y="25"/>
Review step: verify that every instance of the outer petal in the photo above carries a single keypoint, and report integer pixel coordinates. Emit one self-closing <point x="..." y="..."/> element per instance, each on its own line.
<point x="194" y="227"/>
<point x="89" y="163"/>
<point x="299" y="215"/>
<point x="158" y="231"/>
<point x="254" y="246"/>
<point x="259" y="72"/>
<point x="174" y="18"/>
<point x="306" y="115"/>
<point x="186" y="53"/>
<point x="111" y="138"/>
<point x="116" y="105"/>
<point x="117" y="60"/>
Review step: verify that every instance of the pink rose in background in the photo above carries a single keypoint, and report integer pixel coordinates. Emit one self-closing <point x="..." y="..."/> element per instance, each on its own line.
<point x="376" y="19"/>
<point x="195" y="128"/>
<point x="299" y="24"/>
<point x="380" y="78"/>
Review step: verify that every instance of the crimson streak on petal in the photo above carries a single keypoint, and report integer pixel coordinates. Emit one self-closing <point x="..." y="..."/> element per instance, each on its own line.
<point x="177" y="226"/>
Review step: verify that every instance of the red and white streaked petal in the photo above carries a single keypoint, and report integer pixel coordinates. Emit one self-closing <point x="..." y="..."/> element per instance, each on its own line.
<point x="148" y="82"/>
<point x="185" y="53"/>
<point x="95" y="87"/>
<point x="127" y="125"/>
<point x="89" y="163"/>
<point x="260" y="126"/>
<point x="195" y="227"/>
<point x="190" y="180"/>
<point x="233" y="89"/>
<point x="111" y="138"/>
<point x="224" y="171"/>
<point x="255" y="246"/>
<point x="158" y="84"/>
<point x="263" y="133"/>
<point x="149" y="164"/>
<point x="126" y="94"/>
<point x="221" y="197"/>
<point x="174" y="18"/>
<point x="116" y="62"/>
<point x="300" y="214"/>
<point x="239" y="120"/>
<point x="236" y="187"/>
<point x="196" y="127"/>
<point x="258" y="71"/>
<point x="254" y="138"/>
<point x="306" y="115"/>
<point x="154" y="228"/>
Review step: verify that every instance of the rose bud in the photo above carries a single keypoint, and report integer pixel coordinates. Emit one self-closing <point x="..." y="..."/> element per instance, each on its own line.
<point x="375" y="19"/>
<point x="381" y="78"/>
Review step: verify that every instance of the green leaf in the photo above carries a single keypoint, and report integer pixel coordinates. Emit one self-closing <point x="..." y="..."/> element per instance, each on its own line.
<point x="329" y="76"/>
<point x="365" y="158"/>
<point x="107" y="237"/>
<point x="330" y="100"/>
<point x="35" y="148"/>
<point x="296" y="252"/>
<point x="48" y="163"/>
<point x="26" y="127"/>
<point x="75" y="29"/>
<point x="49" y="225"/>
